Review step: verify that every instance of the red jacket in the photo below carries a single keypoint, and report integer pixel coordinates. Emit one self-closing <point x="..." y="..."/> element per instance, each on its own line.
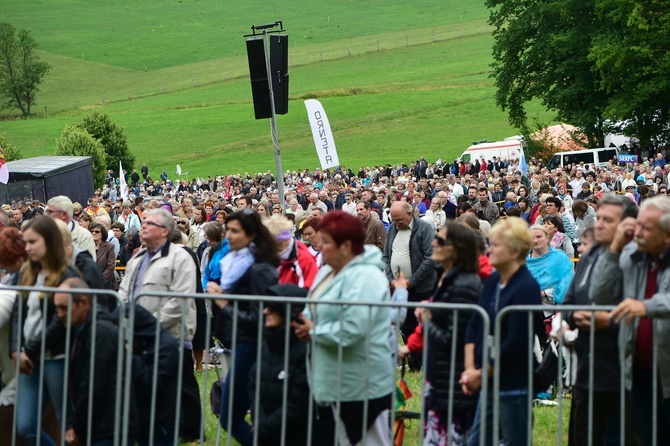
<point x="415" y="340"/>
<point x="300" y="267"/>
<point x="485" y="268"/>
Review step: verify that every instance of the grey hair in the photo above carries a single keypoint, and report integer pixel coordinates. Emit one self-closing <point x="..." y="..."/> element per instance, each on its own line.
<point x="62" y="203"/>
<point x="662" y="203"/>
<point x="164" y="216"/>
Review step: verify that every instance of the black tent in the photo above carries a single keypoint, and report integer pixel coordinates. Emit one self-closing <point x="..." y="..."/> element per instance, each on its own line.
<point x="43" y="177"/>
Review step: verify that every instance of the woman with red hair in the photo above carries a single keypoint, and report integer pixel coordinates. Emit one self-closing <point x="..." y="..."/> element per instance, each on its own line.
<point x="351" y="365"/>
<point x="12" y="256"/>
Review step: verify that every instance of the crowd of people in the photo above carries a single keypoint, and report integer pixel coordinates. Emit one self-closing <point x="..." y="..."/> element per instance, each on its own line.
<point x="479" y="232"/>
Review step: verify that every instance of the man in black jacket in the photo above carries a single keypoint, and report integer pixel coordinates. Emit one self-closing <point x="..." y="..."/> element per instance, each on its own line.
<point x="102" y="390"/>
<point x="273" y="376"/>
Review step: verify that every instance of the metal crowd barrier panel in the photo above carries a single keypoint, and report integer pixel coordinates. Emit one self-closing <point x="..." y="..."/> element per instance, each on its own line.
<point x="459" y="310"/>
<point x="99" y="298"/>
<point x="126" y="409"/>
<point x="621" y="340"/>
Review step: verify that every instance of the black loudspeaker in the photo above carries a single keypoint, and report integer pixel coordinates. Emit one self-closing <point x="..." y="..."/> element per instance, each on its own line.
<point x="279" y="66"/>
<point x="259" y="76"/>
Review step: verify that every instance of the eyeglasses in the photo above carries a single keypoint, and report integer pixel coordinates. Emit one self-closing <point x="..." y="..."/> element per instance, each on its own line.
<point x="95" y="231"/>
<point x="441" y="241"/>
<point x="151" y="223"/>
<point x="181" y="222"/>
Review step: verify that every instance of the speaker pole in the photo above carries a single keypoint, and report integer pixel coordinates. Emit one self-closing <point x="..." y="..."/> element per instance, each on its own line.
<point x="273" y="122"/>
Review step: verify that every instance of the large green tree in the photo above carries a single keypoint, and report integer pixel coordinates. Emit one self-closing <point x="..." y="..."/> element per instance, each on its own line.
<point x="75" y="141"/>
<point x="632" y="56"/>
<point x="101" y="127"/>
<point x="21" y="71"/>
<point x="541" y="51"/>
<point x="601" y="65"/>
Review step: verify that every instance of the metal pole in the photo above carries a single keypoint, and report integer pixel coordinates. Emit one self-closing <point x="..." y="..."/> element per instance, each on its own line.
<point x="273" y="122"/>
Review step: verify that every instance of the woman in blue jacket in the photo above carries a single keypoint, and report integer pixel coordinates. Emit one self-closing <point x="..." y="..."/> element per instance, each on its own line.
<point x="511" y="284"/>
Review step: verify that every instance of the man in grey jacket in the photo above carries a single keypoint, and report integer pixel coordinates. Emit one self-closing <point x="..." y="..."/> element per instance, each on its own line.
<point x="408" y="249"/>
<point x="637" y="269"/>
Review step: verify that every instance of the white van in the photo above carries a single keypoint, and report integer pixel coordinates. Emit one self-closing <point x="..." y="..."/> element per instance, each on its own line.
<point x="593" y="157"/>
<point x="510" y="148"/>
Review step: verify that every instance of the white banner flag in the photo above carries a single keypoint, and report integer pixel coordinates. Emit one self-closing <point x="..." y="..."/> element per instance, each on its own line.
<point x="323" y="136"/>
<point x="124" y="185"/>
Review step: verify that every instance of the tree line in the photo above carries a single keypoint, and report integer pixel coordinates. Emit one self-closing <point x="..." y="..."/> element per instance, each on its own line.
<point x="601" y="65"/>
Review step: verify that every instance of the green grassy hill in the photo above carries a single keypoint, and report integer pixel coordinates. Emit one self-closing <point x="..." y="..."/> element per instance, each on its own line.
<point x="397" y="80"/>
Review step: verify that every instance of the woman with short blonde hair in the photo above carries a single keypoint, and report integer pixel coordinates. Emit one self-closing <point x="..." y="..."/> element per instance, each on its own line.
<point x="510" y="284"/>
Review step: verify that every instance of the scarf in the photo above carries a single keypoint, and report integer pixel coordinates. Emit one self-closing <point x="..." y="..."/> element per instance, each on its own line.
<point x="234" y="265"/>
<point x="553" y="269"/>
<point x="557" y="240"/>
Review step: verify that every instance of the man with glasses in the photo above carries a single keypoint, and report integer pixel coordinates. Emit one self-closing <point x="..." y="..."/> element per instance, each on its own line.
<point x="165" y="267"/>
<point x="60" y="208"/>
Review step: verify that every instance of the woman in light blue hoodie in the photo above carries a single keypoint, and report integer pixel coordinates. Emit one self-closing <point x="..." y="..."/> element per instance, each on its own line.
<point x="350" y="364"/>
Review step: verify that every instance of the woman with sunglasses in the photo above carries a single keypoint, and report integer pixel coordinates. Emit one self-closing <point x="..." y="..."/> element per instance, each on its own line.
<point x="104" y="251"/>
<point x="458" y="283"/>
<point x="250" y="268"/>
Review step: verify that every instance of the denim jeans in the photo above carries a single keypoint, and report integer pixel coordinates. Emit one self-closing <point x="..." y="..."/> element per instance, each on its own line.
<point x="245" y="358"/>
<point x="52" y="377"/>
<point x="514" y="413"/>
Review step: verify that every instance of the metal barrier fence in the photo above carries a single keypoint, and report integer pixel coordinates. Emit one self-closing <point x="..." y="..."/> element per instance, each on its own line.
<point x="126" y="431"/>
<point x="45" y="327"/>
<point x="623" y="403"/>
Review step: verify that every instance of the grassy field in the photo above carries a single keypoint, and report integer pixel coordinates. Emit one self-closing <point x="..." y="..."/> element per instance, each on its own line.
<point x="397" y="80"/>
<point x="545" y="427"/>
